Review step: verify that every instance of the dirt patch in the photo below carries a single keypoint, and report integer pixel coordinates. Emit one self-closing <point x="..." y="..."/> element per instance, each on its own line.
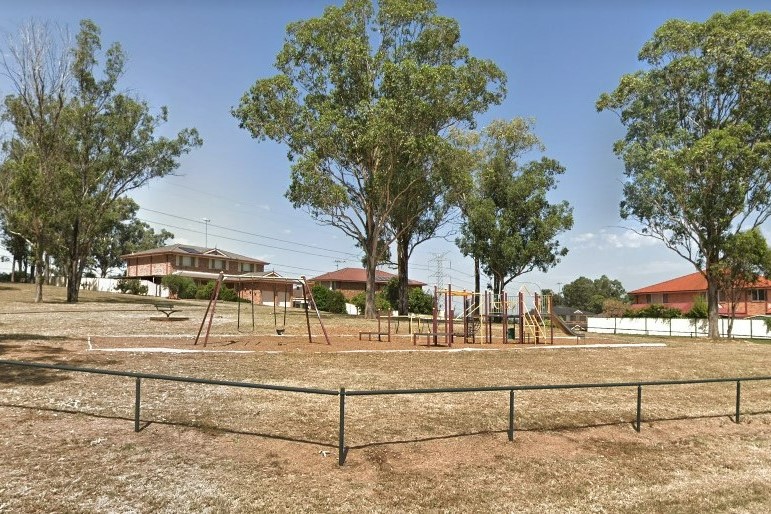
<point x="69" y="443"/>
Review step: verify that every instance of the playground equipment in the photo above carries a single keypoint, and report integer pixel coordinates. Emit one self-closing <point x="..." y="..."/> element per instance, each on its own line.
<point x="379" y="333"/>
<point x="288" y="284"/>
<point x="487" y="317"/>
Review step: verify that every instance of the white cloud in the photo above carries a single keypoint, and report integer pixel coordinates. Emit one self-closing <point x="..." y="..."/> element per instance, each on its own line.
<point x="286" y="231"/>
<point x="604" y="240"/>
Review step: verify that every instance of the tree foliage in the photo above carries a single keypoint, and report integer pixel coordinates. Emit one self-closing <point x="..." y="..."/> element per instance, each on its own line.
<point x="37" y="64"/>
<point x="126" y="235"/>
<point x="359" y="100"/>
<point x="745" y="259"/>
<point x="19" y="249"/>
<point x="79" y="148"/>
<point x="590" y="295"/>
<point x="328" y="300"/>
<point x="698" y="145"/>
<point x="510" y="225"/>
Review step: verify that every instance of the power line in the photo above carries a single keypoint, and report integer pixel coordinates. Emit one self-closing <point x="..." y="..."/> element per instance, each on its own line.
<point x="239" y="240"/>
<point x="253" y="234"/>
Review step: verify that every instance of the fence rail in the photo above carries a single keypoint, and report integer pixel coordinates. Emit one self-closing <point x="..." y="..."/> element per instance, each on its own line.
<point x="342" y="393"/>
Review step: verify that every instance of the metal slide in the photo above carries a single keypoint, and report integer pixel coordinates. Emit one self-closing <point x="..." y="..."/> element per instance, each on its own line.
<point x="564" y="327"/>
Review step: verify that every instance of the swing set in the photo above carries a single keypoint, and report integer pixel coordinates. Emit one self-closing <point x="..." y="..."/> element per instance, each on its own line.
<point x="288" y="287"/>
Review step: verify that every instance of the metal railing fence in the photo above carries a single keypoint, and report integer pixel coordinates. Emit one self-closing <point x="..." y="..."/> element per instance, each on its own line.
<point x="342" y="393"/>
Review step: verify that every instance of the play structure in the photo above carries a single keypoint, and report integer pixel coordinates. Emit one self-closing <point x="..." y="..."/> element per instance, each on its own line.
<point x="282" y="285"/>
<point x="471" y="318"/>
<point x="383" y="328"/>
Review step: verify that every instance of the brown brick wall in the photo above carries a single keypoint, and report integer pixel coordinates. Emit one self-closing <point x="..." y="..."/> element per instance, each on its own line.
<point x="744" y="307"/>
<point x="160" y="265"/>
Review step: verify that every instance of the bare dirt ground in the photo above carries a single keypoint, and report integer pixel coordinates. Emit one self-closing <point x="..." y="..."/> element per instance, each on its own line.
<point x="69" y="445"/>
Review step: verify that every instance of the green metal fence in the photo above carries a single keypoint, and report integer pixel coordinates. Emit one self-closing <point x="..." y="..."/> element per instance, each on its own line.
<point x="343" y="394"/>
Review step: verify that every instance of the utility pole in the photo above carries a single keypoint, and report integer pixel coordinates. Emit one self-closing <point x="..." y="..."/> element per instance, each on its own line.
<point x="206" y="222"/>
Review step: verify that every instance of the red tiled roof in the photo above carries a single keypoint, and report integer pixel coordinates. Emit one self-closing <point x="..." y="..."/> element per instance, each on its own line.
<point x="686" y="283"/>
<point x="359" y="275"/>
<point x="695" y="282"/>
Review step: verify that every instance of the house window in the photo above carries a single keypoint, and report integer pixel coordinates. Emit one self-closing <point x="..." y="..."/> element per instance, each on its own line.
<point x="758" y="295"/>
<point x="665" y="297"/>
<point x="247" y="267"/>
<point x="187" y="261"/>
<point x="216" y="264"/>
<point x="648" y="298"/>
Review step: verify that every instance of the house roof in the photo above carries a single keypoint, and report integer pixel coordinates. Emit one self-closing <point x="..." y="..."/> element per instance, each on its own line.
<point x="259" y="276"/>
<point x="695" y="282"/>
<point x="360" y="275"/>
<point x="182" y="249"/>
<point x="561" y="310"/>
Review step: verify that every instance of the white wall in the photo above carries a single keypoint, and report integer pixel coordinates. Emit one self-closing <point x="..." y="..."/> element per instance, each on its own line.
<point x="108" y="285"/>
<point x="742" y="328"/>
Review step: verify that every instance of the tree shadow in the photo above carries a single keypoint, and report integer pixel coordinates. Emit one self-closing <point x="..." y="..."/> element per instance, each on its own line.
<point x="553" y="428"/>
<point x="145" y="423"/>
<point x="30" y="376"/>
<point x="29" y="337"/>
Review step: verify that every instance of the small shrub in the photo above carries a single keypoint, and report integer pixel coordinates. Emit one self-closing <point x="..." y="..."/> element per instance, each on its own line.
<point x="381" y="302"/>
<point x="699" y="310"/>
<point x="654" y="311"/>
<point x="227" y="294"/>
<point x="181" y="287"/>
<point x="206" y="291"/>
<point x="328" y="300"/>
<point x="359" y="301"/>
<point x="320" y="296"/>
<point x="614" y="308"/>
<point x="420" y="302"/>
<point x="336" y="303"/>
<point x="131" y="286"/>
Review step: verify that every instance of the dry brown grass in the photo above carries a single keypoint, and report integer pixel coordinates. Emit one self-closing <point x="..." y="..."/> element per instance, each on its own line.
<point x="69" y="446"/>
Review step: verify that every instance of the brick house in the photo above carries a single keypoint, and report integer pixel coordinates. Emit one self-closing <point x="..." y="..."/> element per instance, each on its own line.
<point x="352" y="281"/>
<point x="244" y="274"/>
<point x="681" y="293"/>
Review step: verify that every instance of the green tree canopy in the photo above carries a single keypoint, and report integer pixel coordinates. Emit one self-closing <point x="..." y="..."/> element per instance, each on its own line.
<point x="745" y="259"/>
<point x="127" y="235"/>
<point x="510" y="225"/>
<point x="698" y="145"/>
<point x="78" y="149"/>
<point x="590" y="295"/>
<point x="360" y="99"/>
<point x="37" y="64"/>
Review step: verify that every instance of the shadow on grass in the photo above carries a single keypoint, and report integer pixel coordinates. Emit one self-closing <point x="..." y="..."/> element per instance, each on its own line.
<point x="212" y="429"/>
<point x="22" y="375"/>
<point x="29" y="337"/>
<point x="145" y="423"/>
<point x="553" y="428"/>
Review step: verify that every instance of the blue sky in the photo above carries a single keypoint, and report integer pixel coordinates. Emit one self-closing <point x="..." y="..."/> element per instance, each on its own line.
<point x="198" y="58"/>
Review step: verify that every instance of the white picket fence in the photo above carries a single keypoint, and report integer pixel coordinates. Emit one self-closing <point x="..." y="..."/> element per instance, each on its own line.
<point x="742" y="328"/>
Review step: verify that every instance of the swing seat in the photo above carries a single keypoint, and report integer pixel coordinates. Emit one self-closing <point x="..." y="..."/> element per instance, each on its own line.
<point x="280" y="331"/>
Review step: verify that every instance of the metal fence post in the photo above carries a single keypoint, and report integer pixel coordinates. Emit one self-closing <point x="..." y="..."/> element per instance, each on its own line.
<point x="639" y="407"/>
<point x="738" y="398"/>
<point x="511" y="415"/>
<point x="341" y="436"/>
<point x="136" y="404"/>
